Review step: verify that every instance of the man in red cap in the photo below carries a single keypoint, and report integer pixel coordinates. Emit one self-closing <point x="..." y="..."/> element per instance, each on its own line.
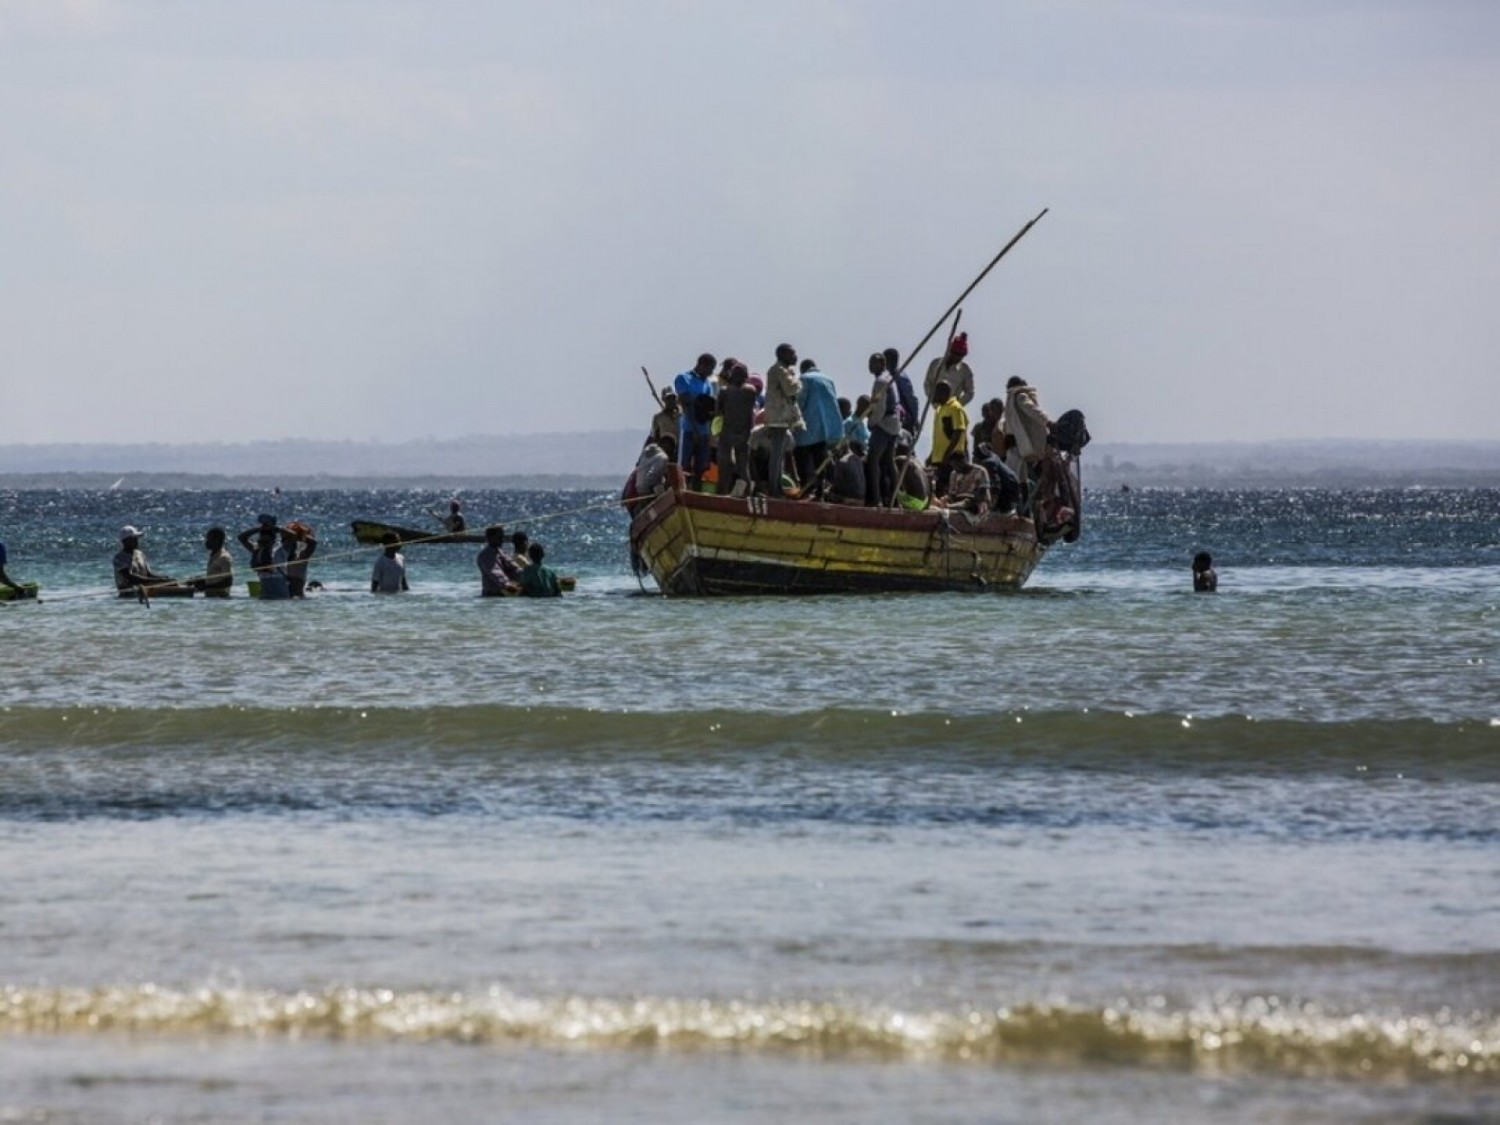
<point x="954" y="370"/>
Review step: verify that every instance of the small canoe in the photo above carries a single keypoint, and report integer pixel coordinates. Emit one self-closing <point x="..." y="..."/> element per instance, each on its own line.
<point x="372" y="533"/>
<point x="165" y="590"/>
<point x="27" y="592"/>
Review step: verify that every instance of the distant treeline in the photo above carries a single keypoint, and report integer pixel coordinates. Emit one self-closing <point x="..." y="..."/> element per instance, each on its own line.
<point x="602" y="460"/>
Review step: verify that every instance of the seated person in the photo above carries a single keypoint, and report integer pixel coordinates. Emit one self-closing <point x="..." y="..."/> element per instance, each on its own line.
<point x="453" y="522"/>
<point x="968" y="484"/>
<point x="846" y="484"/>
<point x="1004" y="487"/>
<point x="913" y="491"/>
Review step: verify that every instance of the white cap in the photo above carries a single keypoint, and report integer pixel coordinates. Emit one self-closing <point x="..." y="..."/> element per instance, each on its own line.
<point x="128" y="532"/>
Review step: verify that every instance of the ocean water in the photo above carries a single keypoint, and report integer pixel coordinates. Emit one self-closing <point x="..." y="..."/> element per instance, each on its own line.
<point x="1099" y="850"/>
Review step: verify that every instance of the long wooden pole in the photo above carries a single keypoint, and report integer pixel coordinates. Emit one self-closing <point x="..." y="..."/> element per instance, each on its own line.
<point x="927" y="402"/>
<point x="995" y="261"/>
<point x="650" y="386"/>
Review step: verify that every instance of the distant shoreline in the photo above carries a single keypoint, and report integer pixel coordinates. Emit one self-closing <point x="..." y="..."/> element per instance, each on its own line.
<point x="1095" y="481"/>
<point x="602" y="460"/>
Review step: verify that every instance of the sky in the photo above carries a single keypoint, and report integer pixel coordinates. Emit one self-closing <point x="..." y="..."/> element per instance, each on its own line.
<point x="388" y="220"/>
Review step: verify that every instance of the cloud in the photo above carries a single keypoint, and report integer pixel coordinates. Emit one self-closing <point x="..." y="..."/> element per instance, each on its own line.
<point x="352" y="220"/>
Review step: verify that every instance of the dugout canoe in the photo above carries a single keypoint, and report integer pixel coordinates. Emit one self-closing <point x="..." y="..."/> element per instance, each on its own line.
<point x="701" y="544"/>
<point x="372" y="533"/>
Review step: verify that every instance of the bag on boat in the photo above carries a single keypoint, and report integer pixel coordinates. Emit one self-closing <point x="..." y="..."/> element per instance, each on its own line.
<point x="1070" y="433"/>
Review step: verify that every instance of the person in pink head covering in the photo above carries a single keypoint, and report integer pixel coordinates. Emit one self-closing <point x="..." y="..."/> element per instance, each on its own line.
<point x="953" y="369"/>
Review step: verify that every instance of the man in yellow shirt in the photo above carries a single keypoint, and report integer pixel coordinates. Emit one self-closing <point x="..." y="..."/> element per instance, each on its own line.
<point x="950" y="432"/>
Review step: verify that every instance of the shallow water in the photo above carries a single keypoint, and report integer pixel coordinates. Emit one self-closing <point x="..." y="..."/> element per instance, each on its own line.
<point x="1100" y="850"/>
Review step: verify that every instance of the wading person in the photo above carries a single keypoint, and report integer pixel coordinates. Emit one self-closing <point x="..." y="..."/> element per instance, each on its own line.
<point x="389" y="573"/>
<point x="218" y="572"/>
<point x="130" y="566"/>
<point x="299" y="543"/>
<point x="267" y="558"/>
<point x="497" y="570"/>
<point x="1205" y="578"/>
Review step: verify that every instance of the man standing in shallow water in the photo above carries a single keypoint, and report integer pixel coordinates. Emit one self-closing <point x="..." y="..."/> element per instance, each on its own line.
<point x="1205" y="578"/>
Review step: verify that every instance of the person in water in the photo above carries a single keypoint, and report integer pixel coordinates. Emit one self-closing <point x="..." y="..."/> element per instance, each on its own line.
<point x="498" y="572"/>
<point x="218" y="574"/>
<point x="17" y="589"/>
<point x="299" y="543"/>
<point x="267" y="558"/>
<point x="389" y="574"/>
<point x="538" y="580"/>
<point x="1205" y="578"/>
<point x="132" y="571"/>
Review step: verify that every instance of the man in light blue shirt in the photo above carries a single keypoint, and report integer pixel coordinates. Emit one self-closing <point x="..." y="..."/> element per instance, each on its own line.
<point x="823" y="426"/>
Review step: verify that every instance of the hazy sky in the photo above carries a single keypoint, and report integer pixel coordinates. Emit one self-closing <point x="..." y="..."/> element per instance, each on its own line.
<point x="391" y="219"/>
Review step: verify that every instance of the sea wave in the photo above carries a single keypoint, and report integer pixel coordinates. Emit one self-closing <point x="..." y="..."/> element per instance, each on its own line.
<point x="1094" y="738"/>
<point x="1244" y="1035"/>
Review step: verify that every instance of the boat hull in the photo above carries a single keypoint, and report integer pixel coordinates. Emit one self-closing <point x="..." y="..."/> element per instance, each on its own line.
<point x="697" y="545"/>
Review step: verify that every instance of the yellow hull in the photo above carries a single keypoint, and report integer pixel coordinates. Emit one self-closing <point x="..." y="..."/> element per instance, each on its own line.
<point x="695" y="544"/>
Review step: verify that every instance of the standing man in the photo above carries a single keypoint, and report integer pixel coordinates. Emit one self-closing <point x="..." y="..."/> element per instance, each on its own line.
<point x="267" y="558"/>
<point x="954" y="368"/>
<point x="130" y="566"/>
<point x="737" y="410"/>
<point x="299" y="543"/>
<point x="885" y="428"/>
<point x="950" y="433"/>
<point x="1025" y="425"/>
<point x="823" y="424"/>
<point x="389" y="574"/>
<point x="218" y="574"/>
<point x="497" y="570"/>
<point x="906" y="394"/>
<point x="664" y="424"/>
<point x="783" y="415"/>
<point x="695" y="393"/>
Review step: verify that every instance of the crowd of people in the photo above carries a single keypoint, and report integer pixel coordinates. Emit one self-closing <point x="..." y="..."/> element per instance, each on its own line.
<point x="789" y="433"/>
<point x="279" y="557"/>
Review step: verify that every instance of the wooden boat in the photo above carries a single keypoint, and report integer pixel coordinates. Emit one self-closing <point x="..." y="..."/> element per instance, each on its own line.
<point x="694" y="544"/>
<point x="372" y="534"/>
<point x="161" y="590"/>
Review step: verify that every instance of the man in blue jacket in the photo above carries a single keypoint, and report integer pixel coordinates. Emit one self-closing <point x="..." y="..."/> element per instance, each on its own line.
<point x="695" y="393"/>
<point x="824" y="425"/>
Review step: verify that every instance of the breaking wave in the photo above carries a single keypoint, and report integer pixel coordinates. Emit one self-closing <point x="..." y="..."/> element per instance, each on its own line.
<point x="1256" y="1035"/>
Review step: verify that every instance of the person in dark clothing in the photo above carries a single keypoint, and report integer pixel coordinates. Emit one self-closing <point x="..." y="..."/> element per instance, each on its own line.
<point x="1205" y="578"/>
